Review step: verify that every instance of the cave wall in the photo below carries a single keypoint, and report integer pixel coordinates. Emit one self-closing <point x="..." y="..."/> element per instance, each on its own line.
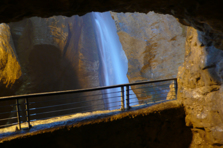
<point x="10" y="69"/>
<point x="200" y="90"/>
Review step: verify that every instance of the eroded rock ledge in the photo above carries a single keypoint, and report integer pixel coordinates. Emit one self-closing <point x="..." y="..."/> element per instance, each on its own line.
<point x="159" y="126"/>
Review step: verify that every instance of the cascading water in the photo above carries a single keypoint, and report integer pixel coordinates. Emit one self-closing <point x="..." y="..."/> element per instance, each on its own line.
<point x="113" y="58"/>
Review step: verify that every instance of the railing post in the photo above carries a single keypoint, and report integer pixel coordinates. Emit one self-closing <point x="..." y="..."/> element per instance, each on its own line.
<point x="18" y="114"/>
<point x="127" y="97"/>
<point x="27" y="112"/>
<point x="122" y="98"/>
<point x="176" y="87"/>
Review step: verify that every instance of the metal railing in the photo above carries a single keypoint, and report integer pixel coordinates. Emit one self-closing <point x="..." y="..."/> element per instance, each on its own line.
<point x="16" y="110"/>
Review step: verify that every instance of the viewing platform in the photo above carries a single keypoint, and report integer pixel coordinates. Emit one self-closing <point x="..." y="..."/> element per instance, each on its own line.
<point x="52" y="116"/>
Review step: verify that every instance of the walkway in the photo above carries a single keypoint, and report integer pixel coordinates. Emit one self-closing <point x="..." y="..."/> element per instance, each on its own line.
<point x="33" y="111"/>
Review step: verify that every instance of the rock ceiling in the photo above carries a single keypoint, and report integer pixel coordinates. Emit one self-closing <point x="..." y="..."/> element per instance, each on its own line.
<point x="204" y="15"/>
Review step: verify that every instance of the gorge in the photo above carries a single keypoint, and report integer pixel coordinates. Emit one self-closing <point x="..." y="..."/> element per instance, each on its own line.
<point x="199" y="78"/>
<point x="60" y="53"/>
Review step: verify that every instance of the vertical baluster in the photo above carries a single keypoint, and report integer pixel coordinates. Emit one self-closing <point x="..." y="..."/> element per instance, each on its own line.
<point x="176" y="87"/>
<point x="27" y="112"/>
<point x="18" y="114"/>
<point x="122" y="98"/>
<point x="127" y="97"/>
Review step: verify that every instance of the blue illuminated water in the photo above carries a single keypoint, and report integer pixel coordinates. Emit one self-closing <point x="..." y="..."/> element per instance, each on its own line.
<point x="113" y="58"/>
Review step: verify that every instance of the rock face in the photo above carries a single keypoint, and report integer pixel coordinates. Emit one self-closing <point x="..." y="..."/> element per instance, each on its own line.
<point x="10" y="69"/>
<point x="153" y="44"/>
<point x="200" y="89"/>
<point x="54" y="54"/>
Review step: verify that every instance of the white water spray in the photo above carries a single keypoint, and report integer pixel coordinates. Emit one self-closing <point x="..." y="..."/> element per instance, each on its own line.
<point x="113" y="58"/>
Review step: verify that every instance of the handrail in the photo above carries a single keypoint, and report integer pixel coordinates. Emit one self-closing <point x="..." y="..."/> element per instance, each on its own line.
<point x="82" y="90"/>
<point x="125" y="95"/>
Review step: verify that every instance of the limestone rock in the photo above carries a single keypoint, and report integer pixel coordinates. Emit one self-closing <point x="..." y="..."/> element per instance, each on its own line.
<point x="153" y="43"/>
<point x="172" y="94"/>
<point x="10" y="70"/>
<point x="200" y="89"/>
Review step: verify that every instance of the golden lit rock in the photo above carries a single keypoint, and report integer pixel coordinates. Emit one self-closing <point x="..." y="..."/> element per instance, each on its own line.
<point x="200" y="90"/>
<point x="10" y="70"/>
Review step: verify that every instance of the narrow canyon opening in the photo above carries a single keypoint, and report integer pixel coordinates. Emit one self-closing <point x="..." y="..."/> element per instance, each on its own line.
<point x="97" y="49"/>
<point x="63" y="53"/>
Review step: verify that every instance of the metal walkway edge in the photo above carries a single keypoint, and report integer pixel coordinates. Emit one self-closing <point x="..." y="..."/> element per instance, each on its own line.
<point x="15" y="110"/>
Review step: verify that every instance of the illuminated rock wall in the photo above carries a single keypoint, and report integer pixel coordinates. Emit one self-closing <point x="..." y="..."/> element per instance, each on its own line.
<point x="153" y="43"/>
<point x="200" y="90"/>
<point x="10" y="69"/>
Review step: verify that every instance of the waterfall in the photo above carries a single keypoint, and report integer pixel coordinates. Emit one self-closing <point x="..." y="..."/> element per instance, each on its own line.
<point x="113" y="58"/>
